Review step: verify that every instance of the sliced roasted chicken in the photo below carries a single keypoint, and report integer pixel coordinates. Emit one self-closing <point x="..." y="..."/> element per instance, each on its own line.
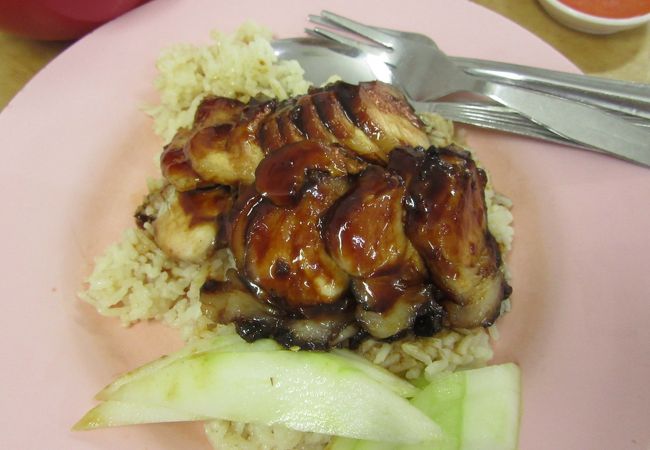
<point x="228" y="139"/>
<point x="281" y="176"/>
<point x="238" y="220"/>
<point x="186" y="228"/>
<point x="306" y="118"/>
<point x="390" y="302"/>
<point x="278" y="247"/>
<point x="318" y="332"/>
<point x="285" y="255"/>
<point x="243" y="151"/>
<point x="278" y="130"/>
<point x="447" y="223"/>
<point x="384" y="115"/>
<point x="369" y="118"/>
<point x="187" y="159"/>
<point x="334" y="117"/>
<point x="230" y="301"/>
<point x="365" y="234"/>
<point x="340" y="223"/>
<point x="221" y="147"/>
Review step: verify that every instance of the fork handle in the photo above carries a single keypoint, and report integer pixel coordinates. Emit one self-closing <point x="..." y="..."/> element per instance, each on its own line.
<point x="581" y="123"/>
<point x="623" y="96"/>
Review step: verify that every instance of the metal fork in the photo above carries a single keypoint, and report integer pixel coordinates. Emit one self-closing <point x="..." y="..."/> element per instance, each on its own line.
<point x="426" y="74"/>
<point x="500" y="118"/>
<point x="320" y="58"/>
<point x="615" y="95"/>
<point x="486" y="111"/>
<point x="494" y="118"/>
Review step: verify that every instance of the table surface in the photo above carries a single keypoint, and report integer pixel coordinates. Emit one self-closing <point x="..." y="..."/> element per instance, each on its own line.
<point x="624" y="55"/>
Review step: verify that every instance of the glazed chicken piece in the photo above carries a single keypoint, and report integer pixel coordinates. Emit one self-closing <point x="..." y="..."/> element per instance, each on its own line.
<point x="330" y="246"/>
<point x="221" y="147"/>
<point x="411" y="302"/>
<point x="369" y="118"/>
<point x="281" y="176"/>
<point x="323" y="246"/>
<point x="331" y="113"/>
<point x="365" y="235"/>
<point x="185" y="160"/>
<point x="364" y="231"/>
<point x="282" y="264"/>
<point x="278" y="130"/>
<point x="231" y="301"/>
<point x="384" y="115"/>
<point x="243" y="152"/>
<point x="284" y="253"/>
<point x="187" y="226"/>
<point x="275" y="234"/>
<point x="229" y="139"/>
<point x="447" y="223"/>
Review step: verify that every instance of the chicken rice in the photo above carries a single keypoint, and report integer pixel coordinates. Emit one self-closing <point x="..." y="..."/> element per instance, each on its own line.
<point x="168" y="267"/>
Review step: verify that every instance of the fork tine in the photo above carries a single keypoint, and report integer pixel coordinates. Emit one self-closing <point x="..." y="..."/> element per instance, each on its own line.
<point x="374" y="34"/>
<point x="496" y="123"/>
<point x="491" y="116"/>
<point x="368" y="48"/>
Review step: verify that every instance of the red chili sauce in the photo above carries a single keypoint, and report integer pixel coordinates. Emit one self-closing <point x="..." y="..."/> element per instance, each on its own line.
<point x="615" y="9"/>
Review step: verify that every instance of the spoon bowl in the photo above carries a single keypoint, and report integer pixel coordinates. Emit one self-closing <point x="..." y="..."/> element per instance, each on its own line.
<point x="322" y="59"/>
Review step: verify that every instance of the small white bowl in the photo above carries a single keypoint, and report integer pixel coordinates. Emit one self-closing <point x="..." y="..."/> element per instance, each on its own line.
<point x="589" y="23"/>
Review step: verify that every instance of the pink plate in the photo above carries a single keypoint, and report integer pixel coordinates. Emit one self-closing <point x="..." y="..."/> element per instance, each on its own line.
<point x="78" y="150"/>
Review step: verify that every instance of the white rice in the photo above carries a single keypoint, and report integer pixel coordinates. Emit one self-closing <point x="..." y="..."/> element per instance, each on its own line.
<point x="241" y="66"/>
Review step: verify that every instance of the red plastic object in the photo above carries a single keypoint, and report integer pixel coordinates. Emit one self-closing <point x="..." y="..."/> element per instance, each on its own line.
<point x="59" y="19"/>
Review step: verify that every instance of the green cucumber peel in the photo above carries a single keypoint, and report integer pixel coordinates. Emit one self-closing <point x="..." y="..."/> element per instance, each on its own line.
<point x="477" y="409"/>
<point x="307" y="391"/>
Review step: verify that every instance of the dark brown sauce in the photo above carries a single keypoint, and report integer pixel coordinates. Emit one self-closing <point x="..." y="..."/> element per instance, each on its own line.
<point x="175" y="164"/>
<point x="290" y="237"/>
<point x="311" y="123"/>
<point x="207" y="140"/>
<point x="357" y="110"/>
<point x="205" y="205"/>
<point x="281" y="176"/>
<point x="364" y="230"/>
<point x="269" y="135"/>
<point x="332" y="115"/>
<point x="217" y="110"/>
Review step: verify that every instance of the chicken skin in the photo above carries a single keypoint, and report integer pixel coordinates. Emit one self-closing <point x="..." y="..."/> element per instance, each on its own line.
<point x="229" y="139"/>
<point x="447" y="223"/>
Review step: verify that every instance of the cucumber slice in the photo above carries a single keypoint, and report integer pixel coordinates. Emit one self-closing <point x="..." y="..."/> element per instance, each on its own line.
<point x="113" y="414"/>
<point x="228" y="342"/>
<point x="342" y="443"/>
<point x="477" y="410"/>
<point x="306" y="391"/>
<point x="398" y="385"/>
